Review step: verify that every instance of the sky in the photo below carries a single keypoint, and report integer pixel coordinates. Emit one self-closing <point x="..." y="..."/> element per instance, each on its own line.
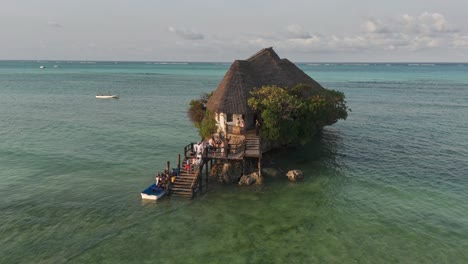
<point x="223" y="31"/>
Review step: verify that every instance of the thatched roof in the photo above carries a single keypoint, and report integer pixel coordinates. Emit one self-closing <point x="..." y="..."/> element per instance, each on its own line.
<point x="263" y="68"/>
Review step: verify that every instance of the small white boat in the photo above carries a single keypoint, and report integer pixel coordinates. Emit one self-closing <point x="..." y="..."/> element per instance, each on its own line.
<point x="152" y="193"/>
<point x="110" y="96"/>
<point x="41" y="67"/>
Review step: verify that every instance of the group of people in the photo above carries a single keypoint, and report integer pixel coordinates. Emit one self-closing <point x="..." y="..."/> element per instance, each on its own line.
<point x="240" y="122"/>
<point x="197" y="154"/>
<point x="258" y="124"/>
<point x="163" y="180"/>
<point x="217" y="144"/>
<point x="198" y="149"/>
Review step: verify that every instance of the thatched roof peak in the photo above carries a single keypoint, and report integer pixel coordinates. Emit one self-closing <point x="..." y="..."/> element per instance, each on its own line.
<point x="266" y="52"/>
<point x="263" y="68"/>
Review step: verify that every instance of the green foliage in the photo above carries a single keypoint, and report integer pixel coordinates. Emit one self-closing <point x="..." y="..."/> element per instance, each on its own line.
<point x="200" y="116"/>
<point x="294" y="115"/>
<point x="197" y="109"/>
<point x="196" y="112"/>
<point x="208" y="125"/>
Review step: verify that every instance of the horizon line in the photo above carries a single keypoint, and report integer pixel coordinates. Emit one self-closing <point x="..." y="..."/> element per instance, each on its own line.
<point x="226" y="62"/>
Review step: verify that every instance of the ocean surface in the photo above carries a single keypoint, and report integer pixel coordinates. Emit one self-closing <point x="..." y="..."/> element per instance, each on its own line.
<point x="387" y="185"/>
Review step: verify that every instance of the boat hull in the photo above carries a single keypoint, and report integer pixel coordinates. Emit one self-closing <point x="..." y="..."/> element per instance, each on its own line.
<point x="107" y="96"/>
<point x="152" y="193"/>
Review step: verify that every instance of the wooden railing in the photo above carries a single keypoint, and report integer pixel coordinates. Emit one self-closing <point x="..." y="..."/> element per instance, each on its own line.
<point x="188" y="150"/>
<point x="223" y="152"/>
<point x="194" y="181"/>
<point x="215" y="152"/>
<point x="236" y="148"/>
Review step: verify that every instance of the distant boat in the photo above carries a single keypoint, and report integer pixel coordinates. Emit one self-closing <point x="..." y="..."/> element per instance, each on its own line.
<point x="152" y="193"/>
<point x="107" y="96"/>
<point x="41" y="67"/>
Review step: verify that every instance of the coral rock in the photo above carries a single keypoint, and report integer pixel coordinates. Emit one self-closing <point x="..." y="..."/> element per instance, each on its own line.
<point x="250" y="179"/>
<point x="295" y="175"/>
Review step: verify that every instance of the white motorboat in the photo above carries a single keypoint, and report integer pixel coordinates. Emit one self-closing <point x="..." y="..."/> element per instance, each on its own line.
<point x="152" y="193"/>
<point x="107" y="96"/>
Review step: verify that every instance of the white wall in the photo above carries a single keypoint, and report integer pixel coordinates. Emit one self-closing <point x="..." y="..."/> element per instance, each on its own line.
<point x="220" y="120"/>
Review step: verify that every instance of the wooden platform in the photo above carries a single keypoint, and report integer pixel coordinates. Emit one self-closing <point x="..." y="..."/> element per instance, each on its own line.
<point x="252" y="145"/>
<point x="191" y="181"/>
<point x="184" y="183"/>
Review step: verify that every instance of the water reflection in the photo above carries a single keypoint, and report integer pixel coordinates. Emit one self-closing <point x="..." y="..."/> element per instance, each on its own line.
<point x="324" y="151"/>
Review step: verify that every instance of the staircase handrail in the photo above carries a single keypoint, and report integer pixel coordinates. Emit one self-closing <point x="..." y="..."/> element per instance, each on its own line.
<point x="188" y="148"/>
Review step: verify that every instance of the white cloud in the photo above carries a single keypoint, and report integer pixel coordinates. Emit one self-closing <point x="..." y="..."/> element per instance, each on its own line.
<point x="460" y="41"/>
<point x="297" y="32"/>
<point x="433" y="43"/>
<point x="434" y="22"/>
<point x="54" y="24"/>
<point x="424" y="42"/>
<point x="294" y="38"/>
<point x="375" y="26"/>
<point x="186" y="34"/>
<point x="312" y="40"/>
<point x="370" y="26"/>
<point x="423" y="31"/>
<point x="426" y="23"/>
<point x="406" y="33"/>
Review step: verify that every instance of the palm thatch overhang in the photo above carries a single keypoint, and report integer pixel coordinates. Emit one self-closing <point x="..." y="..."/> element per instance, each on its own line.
<point x="262" y="69"/>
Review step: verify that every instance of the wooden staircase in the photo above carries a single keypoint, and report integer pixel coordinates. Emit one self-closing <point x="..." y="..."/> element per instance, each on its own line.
<point x="252" y="145"/>
<point x="185" y="183"/>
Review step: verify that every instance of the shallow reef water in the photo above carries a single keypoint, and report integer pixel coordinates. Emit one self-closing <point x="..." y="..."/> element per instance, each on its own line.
<point x="388" y="185"/>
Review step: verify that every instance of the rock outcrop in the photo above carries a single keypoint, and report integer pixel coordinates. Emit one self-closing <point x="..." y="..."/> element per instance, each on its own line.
<point x="227" y="172"/>
<point x="295" y="175"/>
<point x="250" y="179"/>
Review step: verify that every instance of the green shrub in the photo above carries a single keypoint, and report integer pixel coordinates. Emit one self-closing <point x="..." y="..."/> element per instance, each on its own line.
<point x="202" y="119"/>
<point x="208" y="125"/>
<point x="291" y="116"/>
<point x="197" y="109"/>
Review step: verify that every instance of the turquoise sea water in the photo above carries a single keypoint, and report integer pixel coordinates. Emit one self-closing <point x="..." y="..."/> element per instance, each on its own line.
<point x="388" y="185"/>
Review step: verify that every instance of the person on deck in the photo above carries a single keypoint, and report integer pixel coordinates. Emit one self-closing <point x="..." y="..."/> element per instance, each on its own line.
<point x="217" y="147"/>
<point x="222" y="147"/>
<point x="257" y="127"/>
<point x="200" y="148"/>
<point x="211" y="143"/>
<point x="187" y="166"/>
<point x="158" y="180"/>
<point x="163" y="182"/>
<point x="195" y="148"/>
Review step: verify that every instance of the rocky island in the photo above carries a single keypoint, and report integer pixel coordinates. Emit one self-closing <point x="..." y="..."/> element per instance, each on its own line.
<point x="262" y="103"/>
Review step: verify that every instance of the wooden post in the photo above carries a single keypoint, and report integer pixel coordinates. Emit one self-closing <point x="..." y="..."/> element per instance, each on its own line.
<point x="260" y="167"/>
<point x="206" y="176"/>
<point x="243" y="167"/>
<point x="200" y="176"/>
<point x="178" y="165"/>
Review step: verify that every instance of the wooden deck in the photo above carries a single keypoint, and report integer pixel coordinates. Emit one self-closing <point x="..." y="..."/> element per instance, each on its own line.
<point x="190" y="179"/>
